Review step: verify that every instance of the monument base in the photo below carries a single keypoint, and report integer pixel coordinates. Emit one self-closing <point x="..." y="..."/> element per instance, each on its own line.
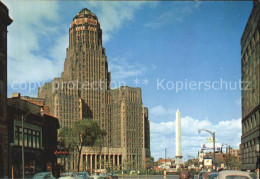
<point x="178" y="161"/>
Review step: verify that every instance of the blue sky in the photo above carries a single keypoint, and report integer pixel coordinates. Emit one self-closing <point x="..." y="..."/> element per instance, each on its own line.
<point x="146" y="43"/>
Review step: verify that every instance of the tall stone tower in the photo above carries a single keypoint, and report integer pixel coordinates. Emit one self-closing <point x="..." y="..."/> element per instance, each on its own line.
<point x="83" y="91"/>
<point x="178" y="154"/>
<point x="86" y="63"/>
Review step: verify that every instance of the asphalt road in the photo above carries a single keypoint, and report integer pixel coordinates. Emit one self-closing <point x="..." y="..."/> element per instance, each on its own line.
<point x="152" y="177"/>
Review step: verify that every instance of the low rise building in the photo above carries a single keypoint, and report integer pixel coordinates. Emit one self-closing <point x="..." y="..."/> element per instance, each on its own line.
<point x="30" y="128"/>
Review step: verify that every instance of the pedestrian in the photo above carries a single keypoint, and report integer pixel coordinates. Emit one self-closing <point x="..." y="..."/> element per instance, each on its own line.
<point x="164" y="174"/>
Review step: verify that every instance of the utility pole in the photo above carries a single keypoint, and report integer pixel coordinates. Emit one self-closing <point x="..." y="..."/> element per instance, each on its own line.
<point x="23" y="146"/>
<point x="213" y="134"/>
<point x="165" y="159"/>
<point x="214" y="141"/>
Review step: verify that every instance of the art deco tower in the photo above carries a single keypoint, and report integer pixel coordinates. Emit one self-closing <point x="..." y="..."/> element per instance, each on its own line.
<point x="178" y="154"/>
<point x="83" y="91"/>
<point x="86" y="62"/>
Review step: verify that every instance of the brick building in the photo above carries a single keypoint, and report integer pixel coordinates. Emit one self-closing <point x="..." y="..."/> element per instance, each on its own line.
<point x="83" y="91"/>
<point x="4" y="22"/>
<point x="40" y="138"/>
<point x="250" y="63"/>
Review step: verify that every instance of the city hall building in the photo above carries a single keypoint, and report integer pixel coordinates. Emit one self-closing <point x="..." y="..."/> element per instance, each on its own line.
<point x="250" y="63"/>
<point x="83" y="91"/>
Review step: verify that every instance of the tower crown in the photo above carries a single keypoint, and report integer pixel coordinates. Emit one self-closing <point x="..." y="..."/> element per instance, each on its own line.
<point x="85" y="29"/>
<point x="85" y="13"/>
<point x="83" y="17"/>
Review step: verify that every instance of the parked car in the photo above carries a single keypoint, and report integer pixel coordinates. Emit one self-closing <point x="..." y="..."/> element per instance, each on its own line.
<point x="213" y="175"/>
<point x="112" y="176"/>
<point x="43" y="175"/>
<point x="186" y="175"/>
<point x="206" y="175"/>
<point x="82" y="175"/>
<point x="68" y="175"/>
<point x="234" y="174"/>
<point x="201" y="174"/>
<point x="98" y="177"/>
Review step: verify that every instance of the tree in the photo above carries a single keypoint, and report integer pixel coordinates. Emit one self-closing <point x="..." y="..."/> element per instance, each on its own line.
<point x="149" y="163"/>
<point x="84" y="132"/>
<point x="193" y="161"/>
<point x="232" y="161"/>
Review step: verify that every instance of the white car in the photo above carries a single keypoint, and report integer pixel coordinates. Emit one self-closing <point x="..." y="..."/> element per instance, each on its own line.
<point x="43" y="175"/>
<point x="68" y="175"/>
<point x="234" y="174"/>
<point x="98" y="177"/>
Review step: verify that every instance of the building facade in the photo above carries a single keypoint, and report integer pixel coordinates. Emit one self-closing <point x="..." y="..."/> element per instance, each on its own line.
<point x="4" y="22"/>
<point x="83" y="91"/>
<point x="40" y="138"/>
<point x="250" y="63"/>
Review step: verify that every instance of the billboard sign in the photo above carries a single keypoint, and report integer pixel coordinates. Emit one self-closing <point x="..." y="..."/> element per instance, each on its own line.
<point x="207" y="162"/>
<point x="209" y="146"/>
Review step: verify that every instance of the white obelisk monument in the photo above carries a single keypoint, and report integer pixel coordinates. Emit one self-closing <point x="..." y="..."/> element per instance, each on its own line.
<point x="178" y="154"/>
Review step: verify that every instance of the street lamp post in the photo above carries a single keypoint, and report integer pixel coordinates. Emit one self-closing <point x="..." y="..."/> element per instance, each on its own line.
<point x="214" y="141"/>
<point x="24" y="118"/>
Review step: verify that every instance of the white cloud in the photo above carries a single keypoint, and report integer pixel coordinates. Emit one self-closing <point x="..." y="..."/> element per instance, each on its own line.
<point x="113" y="15"/>
<point x="178" y="12"/>
<point x="34" y="24"/>
<point x="157" y="110"/>
<point x="163" y="135"/>
<point x="34" y="56"/>
<point x="121" y="68"/>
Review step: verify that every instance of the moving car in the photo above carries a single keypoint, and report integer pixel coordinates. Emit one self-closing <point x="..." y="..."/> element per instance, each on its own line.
<point x="43" y="175"/>
<point x="201" y="174"/>
<point x="206" y="175"/>
<point x="234" y="174"/>
<point x="112" y="176"/>
<point x="213" y="176"/>
<point x="68" y="175"/>
<point x="186" y="175"/>
<point x="98" y="177"/>
<point x="82" y="175"/>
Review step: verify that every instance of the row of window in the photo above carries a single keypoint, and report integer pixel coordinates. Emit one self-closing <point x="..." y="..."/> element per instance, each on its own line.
<point x="251" y="122"/>
<point x="32" y="138"/>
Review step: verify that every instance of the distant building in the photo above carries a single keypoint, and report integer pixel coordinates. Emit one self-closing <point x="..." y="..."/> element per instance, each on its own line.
<point x="233" y="152"/>
<point x="83" y="91"/>
<point x="162" y="164"/>
<point x="40" y="137"/>
<point x="5" y="20"/>
<point x="250" y="63"/>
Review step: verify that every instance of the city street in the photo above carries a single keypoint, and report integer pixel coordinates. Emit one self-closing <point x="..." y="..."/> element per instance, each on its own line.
<point x="130" y="90"/>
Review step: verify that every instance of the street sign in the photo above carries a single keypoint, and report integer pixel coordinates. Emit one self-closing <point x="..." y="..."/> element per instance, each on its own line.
<point x="61" y="152"/>
<point x="209" y="146"/>
<point x="209" y="139"/>
<point x="207" y="162"/>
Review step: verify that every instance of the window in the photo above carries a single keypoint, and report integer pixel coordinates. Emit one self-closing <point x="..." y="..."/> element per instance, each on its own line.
<point x="32" y="138"/>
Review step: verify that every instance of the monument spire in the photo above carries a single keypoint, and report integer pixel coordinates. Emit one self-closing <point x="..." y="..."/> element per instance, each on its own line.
<point x="178" y="151"/>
